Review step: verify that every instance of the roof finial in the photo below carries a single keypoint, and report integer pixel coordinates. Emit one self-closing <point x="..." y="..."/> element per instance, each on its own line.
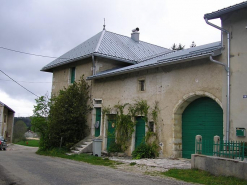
<point x="104" y="25"/>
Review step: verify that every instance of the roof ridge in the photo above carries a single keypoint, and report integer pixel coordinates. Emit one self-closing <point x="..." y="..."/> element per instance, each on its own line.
<point x="139" y="41"/>
<point x="99" y="42"/>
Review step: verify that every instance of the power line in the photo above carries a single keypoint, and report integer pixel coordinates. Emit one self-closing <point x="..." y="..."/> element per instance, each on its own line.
<point x="25" y="81"/>
<point x="35" y="82"/>
<point x="19" y="84"/>
<point x="37" y="55"/>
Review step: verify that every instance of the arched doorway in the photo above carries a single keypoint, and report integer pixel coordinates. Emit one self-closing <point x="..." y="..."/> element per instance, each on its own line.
<point x="202" y="116"/>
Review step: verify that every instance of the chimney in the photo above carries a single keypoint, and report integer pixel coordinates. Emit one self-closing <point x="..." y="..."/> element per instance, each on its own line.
<point x="135" y="34"/>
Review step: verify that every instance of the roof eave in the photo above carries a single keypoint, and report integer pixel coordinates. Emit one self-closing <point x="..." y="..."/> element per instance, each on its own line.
<point x="219" y="13"/>
<point x="11" y="110"/>
<point x="153" y="65"/>
<point x="49" y="69"/>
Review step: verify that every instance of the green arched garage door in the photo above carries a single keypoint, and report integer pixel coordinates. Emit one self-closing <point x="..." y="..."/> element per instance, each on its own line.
<point x="202" y="117"/>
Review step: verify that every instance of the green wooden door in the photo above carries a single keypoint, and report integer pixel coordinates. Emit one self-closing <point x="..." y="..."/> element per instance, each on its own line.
<point x="111" y="133"/>
<point x="202" y="117"/>
<point x="140" y="131"/>
<point x="98" y="121"/>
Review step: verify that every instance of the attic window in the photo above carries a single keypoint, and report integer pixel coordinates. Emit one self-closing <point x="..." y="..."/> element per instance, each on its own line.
<point x="141" y="85"/>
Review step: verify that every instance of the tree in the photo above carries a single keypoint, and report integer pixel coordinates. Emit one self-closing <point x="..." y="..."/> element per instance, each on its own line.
<point x="63" y="116"/>
<point x="39" y="120"/>
<point x="179" y="47"/>
<point x="68" y="115"/>
<point x="19" y="130"/>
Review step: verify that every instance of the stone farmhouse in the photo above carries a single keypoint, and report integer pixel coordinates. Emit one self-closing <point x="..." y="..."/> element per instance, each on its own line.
<point x="6" y="122"/>
<point x="199" y="90"/>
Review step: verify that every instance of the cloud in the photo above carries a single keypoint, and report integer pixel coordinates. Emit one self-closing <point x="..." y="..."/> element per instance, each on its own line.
<point x="54" y="27"/>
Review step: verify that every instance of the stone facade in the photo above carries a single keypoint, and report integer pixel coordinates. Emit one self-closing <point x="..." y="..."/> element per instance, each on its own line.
<point x="173" y="86"/>
<point x="6" y="122"/>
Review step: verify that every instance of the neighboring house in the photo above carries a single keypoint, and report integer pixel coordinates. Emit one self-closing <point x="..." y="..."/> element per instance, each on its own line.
<point x="31" y="134"/>
<point x="190" y="87"/>
<point x="6" y="122"/>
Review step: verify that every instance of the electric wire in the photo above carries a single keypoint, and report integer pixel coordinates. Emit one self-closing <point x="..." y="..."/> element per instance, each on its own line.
<point x="34" y="82"/>
<point x="19" y="84"/>
<point x="37" y="55"/>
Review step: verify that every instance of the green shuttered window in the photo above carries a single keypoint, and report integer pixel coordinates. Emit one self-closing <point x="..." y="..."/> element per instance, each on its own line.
<point x="72" y="75"/>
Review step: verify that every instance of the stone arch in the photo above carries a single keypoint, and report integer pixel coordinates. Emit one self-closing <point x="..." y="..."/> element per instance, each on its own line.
<point x="177" y="118"/>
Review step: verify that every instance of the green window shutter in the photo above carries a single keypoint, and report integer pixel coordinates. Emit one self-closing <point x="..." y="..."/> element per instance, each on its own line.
<point x="72" y="77"/>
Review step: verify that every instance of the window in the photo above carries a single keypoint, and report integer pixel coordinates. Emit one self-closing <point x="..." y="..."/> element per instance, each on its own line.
<point x="5" y="118"/>
<point x="151" y="126"/>
<point x="72" y="75"/>
<point x="141" y="85"/>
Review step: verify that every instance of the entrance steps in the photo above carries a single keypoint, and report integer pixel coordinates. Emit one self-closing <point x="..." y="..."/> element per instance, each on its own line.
<point x="84" y="146"/>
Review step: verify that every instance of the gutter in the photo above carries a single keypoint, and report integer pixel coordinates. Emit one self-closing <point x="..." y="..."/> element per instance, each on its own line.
<point x="152" y="65"/>
<point x="228" y="75"/>
<point x="94" y="67"/>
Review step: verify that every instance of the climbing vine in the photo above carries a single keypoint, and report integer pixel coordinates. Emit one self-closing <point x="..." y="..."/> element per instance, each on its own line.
<point x="105" y="110"/>
<point x="124" y="127"/>
<point x="125" y="122"/>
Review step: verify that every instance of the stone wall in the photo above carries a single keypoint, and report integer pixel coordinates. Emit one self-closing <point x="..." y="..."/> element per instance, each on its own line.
<point x="173" y="86"/>
<point x="219" y="166"/>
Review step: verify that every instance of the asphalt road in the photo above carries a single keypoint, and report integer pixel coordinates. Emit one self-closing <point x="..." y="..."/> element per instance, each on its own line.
<point x="19" y="165"/>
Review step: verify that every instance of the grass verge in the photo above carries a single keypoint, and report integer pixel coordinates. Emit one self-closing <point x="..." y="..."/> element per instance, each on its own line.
<point x="202" y="177"/>
<point x="31" y="143"/>
<point x="80" y="157"/>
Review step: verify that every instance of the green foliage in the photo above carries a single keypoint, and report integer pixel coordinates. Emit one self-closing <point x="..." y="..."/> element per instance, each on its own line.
<point x="39" y="120"/>
<point x="149" y="134"/>
<point x="26" y="120"/>
<point x="31" y="143"/>
<point x="105" y="110"/>
<point x="145" y="150"/>
<point x="124" y="127"/>
<point x="19" y="130"/>
<point x="155" y="112"/>
<point x="114" y="147"/>
<point x="202" y="177"/>
<point x="125" y="123"/>
<point x="68" y="115"/>
<point x="63" y="116"/>
<point x="132" y="163"/>
<point x="140" y="108"/>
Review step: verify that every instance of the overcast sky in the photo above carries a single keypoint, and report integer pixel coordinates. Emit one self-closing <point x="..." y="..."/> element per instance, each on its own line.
<point x="52" y="27"/>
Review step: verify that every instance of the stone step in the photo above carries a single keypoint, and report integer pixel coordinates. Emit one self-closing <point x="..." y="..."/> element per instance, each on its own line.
<point x="87" y="142"/>
<point x="83" y="146"/>
<point x="70" y="153"/>
<point x="75" y="151"/>
<point x="78" y="148"/>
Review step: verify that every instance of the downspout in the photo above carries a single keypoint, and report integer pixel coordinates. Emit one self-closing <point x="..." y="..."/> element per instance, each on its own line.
<point x="228" y="76"/>
<point x="93" y="64"/>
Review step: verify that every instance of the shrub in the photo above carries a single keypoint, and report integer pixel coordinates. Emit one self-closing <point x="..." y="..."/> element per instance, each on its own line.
<point x="114" y="147"/>
<point x="145" y="151"/>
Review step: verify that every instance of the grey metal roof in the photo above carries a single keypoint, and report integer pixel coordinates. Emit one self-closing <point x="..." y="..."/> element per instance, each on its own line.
<point x="165" y="59"/>
<point x="4" y="105"/>
<point x="109" y="45"/>
<point x="219" y="13"/>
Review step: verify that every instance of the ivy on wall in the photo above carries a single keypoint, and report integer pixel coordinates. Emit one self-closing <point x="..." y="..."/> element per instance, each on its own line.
<point x="125" y="123"/>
